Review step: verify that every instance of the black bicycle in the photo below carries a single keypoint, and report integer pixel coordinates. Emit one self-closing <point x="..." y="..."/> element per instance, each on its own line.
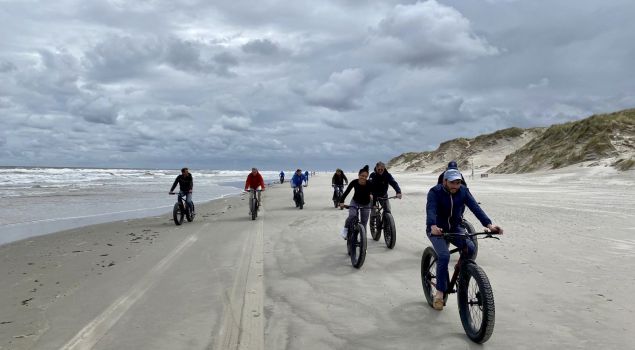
<point x="475" y="297"/>
<point x="281" y="179"/>
<point x="337" y="194"/>
<point x="181" y="210"/>
<point x="381" y="219"/>
<point x="298" y="197"/>
<point x="356" y="239"/>
<point x="254" y="203"/>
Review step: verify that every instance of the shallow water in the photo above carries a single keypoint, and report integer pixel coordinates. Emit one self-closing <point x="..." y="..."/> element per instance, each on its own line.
<point x="36" y="201"/>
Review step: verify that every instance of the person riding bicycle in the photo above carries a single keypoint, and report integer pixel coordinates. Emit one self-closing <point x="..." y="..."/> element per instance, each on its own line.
<point x="306" y="178"/>
<point x="186" y="184"/>
<point x="296" y="182"/>
<point x="444" y="208"/>
<point x="339" y="180"/>
<point x="361" y="198"/>
<point x="379" y="180"/>
<point x="255" y="181"/>
<point x="451" y="165"/>
<point x="281" y="176"/>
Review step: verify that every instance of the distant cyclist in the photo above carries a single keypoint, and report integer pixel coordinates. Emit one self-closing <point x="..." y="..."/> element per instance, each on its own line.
<point x="451" y="165"/>
<point x="281" y="176"/>
<point x="255" y="181"/>
<point x="361" y="198"/>
<point x="444" y="208"/>
<point x="296" y="182"/>
<point x="186" y="184"/>
<point x="306" y="178"/>
<point x="380" y="179"/>
<point x="338" y="181"/>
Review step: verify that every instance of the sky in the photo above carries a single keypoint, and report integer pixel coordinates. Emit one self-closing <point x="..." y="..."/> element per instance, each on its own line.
<point x="287" y="84"/>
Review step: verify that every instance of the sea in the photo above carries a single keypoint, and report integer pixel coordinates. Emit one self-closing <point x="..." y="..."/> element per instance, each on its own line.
<point x="41" y="200"/>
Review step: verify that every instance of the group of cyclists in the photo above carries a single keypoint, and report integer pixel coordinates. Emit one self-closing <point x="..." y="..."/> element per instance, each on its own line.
<point x="445" y="206"/>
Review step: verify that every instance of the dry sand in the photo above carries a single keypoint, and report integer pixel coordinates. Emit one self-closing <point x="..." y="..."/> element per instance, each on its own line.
<point x="561" y="275"/>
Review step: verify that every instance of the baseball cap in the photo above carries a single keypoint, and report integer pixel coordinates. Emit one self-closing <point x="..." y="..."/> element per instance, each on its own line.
<point x="452" y="174"/>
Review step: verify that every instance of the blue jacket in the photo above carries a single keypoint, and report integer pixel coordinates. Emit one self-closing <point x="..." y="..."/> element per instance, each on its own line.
<point x="446" y="210"/>
<point x="379" y="183"/>
<point x="296" y="180"/>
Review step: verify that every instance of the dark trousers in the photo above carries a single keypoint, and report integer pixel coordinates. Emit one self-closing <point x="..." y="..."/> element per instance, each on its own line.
<point x="441" y="247"/>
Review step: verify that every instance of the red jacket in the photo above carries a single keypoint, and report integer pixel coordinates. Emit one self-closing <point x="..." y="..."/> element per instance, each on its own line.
<point x="253" y="181"/>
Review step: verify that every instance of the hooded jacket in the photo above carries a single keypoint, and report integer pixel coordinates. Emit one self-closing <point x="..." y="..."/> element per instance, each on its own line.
<point x="186" y="183"/>
<point x="446" y="210"/>
<point x="253" y="181"/>
<point x="296" y="180"/>
<point x="379" y="183"/>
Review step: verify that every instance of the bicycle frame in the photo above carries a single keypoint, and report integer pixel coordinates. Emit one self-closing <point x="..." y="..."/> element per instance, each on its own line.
<point x="457" y="267"/>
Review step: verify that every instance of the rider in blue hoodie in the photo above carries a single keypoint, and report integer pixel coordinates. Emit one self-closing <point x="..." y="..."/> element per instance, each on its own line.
<point x="296" y="181"/>
<point x="445" y="207"/>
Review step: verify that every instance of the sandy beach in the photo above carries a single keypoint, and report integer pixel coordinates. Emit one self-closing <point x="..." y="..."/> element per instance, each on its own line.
<point x="560" y="274"/>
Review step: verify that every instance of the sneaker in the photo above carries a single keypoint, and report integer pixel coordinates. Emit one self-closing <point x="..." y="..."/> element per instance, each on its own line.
<point x="437" y="304"/>
<point x="344" y="233"/>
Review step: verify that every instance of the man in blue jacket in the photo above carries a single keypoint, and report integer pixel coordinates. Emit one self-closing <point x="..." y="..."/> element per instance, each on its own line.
<point x="296" y="182"/>
<point x="445" y="207"/>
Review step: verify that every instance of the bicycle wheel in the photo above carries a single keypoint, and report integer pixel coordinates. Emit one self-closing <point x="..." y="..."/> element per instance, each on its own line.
<point x="301" y="200"/>
<point x="429" y="275"/>
<point x="470" y="229"/>
<point x="358" y="246"/>
<point x="390" y="232"/>
<point x="177" y="214"/>
<point x="253" y="206"/>
<point x="374" y="225"/>
<point x="476" y="303"/>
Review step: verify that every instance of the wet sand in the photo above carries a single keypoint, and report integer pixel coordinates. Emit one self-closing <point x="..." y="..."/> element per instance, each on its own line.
<point x="560" y="275"/>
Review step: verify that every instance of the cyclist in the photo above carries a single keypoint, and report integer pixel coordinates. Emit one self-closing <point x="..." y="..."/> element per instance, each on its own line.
<point x="445" y="207"/>
<point x="306" y="178"/>
<point x="339" y="180"/>
<point x="186" y="184"/>
<point x="379" y="180"/>
<point x="296" y="182"/>
<point x="451" y="165"/>
<point x="281" y="176"/>
<point x="255" y="181"/>
<point x="361" y="198"/>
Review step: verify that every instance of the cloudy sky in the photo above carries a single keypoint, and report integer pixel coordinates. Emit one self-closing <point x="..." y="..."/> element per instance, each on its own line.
<point x="285" y="84"/>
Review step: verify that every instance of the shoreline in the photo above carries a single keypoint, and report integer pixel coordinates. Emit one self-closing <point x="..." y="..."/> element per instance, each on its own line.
<point x="25" y="230"/>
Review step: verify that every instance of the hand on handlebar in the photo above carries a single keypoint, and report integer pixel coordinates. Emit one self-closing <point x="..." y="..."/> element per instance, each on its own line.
<point x="341" y="205"/>
<point x="495" y="229"/>
<point x="436" y="231"/>
<point x="399" y="195"/>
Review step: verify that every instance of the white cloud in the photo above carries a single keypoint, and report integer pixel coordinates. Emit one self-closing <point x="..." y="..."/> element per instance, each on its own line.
<point x="427" y="34"/>
<point x="341" y="92"/>
<point x="235" y="123"/>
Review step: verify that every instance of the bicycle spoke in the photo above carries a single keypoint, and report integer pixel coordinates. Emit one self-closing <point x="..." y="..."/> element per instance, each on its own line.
<point x="475" y="305"/>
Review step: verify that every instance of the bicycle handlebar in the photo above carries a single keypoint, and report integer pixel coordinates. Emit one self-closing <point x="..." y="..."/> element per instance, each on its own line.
<point x="487" y="234"/>
<point x="393" y="197"/>
<point x="346" y="206"/>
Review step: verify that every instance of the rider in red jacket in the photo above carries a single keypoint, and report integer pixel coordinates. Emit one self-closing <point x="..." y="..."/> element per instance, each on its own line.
<point x="254" y="180"/>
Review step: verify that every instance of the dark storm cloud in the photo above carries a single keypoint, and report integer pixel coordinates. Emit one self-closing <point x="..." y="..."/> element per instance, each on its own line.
<point x="134" y="83"/>
<point x="261" y="46"/>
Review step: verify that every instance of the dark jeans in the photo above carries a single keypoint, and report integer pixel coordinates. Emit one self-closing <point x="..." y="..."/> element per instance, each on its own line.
<point x="335" y="188"/>
<point x="385" y="202"/>
<point x="443" y="252"/>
